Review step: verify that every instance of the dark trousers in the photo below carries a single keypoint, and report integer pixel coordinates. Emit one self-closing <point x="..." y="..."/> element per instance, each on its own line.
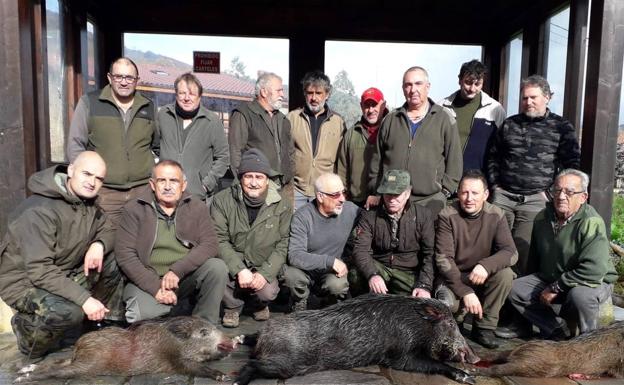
<point x="46" y="322"/>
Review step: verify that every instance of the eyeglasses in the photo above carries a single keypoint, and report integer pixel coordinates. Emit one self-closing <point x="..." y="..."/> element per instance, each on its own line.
<point x="555" y="192"/>
<point x="128" y="78"/>
<point x="335" y="195"/>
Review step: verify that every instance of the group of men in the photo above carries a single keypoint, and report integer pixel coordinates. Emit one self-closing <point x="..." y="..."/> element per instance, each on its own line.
<point x="398" y="203"/>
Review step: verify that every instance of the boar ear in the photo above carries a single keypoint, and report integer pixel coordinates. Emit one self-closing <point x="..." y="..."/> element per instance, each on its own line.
<point x="431" y="313"/>
<point x="180" y="329"/>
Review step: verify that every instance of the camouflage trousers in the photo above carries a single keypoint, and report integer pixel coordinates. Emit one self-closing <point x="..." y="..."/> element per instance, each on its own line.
<point x="46" y="322"/>
<point x="397" y="281"/>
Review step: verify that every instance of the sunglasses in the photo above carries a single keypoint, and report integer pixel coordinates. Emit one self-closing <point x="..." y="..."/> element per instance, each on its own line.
<point x="334" y="195"/>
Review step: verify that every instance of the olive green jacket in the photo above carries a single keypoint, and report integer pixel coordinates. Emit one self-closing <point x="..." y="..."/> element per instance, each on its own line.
<point x="47" y="238"/>
<point x="261" y="246"/>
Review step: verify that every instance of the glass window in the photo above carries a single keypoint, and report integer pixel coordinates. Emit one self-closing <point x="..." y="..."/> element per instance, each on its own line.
<point x="557" y="55"/>
<point x="512" y="76"/>
<point x="162" y="58"/>
<point x="93" y="67"/>
<point x="57" y="95"/>
<point x="351" y="70"/>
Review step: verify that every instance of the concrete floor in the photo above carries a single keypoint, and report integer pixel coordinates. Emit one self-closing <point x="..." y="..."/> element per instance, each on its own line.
<point x="11" y="361"/>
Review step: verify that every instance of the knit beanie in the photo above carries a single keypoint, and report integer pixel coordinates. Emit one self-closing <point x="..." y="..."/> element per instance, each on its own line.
<point x="253" y="160"/>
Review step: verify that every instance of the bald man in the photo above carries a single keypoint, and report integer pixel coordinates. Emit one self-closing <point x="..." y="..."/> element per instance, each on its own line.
<point x="52" y="267"/>
<point x="319" y="232"/>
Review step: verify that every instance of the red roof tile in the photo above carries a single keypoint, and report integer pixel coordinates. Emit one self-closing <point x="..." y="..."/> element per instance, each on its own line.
<point x="221" y="84"/>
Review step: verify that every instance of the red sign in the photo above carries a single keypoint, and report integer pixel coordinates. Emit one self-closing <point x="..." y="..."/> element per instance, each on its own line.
<point x="209" y="62"/>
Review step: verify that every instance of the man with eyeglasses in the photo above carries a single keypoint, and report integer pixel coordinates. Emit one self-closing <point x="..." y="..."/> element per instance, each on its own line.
<point x="252" y="221"/>
<point x="118" y="123"/>
<point x="194" y="137"/>
<point x="574" y="272"/>
<point x="393" y="247"/>
<point x="318" y="235"/>
<point x="167" y="247"/>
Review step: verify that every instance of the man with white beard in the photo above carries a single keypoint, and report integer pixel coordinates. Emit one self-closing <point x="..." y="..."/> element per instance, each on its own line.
<point x="260" y="124"/>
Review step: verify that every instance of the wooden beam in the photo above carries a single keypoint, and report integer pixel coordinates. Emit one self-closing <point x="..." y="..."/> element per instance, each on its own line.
<point x="602" y="101"/>
<point x="575" y="63"/>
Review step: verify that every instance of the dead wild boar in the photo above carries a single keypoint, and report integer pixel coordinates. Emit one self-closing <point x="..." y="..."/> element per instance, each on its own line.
<point x="592" y="354"/>
<point x="181" y="345"/>
<point x="403" y="333"/>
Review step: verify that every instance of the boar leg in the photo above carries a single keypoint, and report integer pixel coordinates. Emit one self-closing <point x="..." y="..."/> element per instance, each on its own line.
<point x="428" y="366"/>
<point x="201" y="369"/>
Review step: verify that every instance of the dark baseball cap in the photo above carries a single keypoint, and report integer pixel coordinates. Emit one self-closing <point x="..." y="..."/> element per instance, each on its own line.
<point x="394" y="182"/>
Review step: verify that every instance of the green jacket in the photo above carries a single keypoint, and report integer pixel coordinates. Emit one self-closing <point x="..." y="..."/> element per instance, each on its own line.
<point x="578" y="255"/>
<point x="433" y="157"/>
<point x="354" y="159"/>
<point x="47" y="238"/>
<point x="263" y="246"/>
<point x="97" y="125"/>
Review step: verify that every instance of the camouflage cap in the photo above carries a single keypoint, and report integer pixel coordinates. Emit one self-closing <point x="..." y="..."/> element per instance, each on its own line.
<point x="394" y="182"/>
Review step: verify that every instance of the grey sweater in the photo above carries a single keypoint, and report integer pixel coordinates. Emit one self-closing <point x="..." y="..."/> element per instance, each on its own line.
<point x="316" y="241"/>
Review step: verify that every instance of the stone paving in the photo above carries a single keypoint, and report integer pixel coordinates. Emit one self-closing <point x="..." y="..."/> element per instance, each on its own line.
<point x="11" y="360"/>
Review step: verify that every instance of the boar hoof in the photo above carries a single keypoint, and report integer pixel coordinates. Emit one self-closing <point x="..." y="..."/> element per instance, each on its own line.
<point x="27" y="369"/>
<point x="464" y="378"/>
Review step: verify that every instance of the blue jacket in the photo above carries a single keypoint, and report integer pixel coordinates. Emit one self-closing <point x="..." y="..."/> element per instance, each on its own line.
<point x="486" y="121"/>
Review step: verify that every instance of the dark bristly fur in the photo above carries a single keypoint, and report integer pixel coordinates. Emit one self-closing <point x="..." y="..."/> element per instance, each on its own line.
<point x="398" y="332"/>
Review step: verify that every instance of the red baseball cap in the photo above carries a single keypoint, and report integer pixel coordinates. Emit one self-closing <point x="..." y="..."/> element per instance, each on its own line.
<point x="372" y="94"/>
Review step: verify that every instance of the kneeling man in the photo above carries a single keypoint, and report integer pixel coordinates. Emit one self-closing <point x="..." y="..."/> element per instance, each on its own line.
<point x="318" y="235"/>
<point x="52" y="266"/>
<point x="167" y="247"/>
<point x="474" y="252"/>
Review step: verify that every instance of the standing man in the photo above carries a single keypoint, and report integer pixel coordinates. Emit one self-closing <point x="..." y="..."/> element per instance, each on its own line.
<point x="194" y="137"/>
<point x="252" y="222"/>
<point x="317" y="132"/>
<point x="53" y="269"/>
<point x="393" y="250"/>
<point x="357" y="149"/>
<point x="420" y="137"/>
<point x="318" y="235"/>
<point x="474" y="252"/>
<point x="260" y="124"/>
<point x="167" y="247"/>
<point x="119" y="124"/>
<point x="571" y="249"/>
<point x="478" y="116"/>
<point x="527" y="152"/>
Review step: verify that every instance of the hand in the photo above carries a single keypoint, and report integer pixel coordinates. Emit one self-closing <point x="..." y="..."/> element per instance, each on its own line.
<point x="478" y="275"/>
<point x="473" y="305"/>
<point x="169" y="281"/>
<point x="166" y="297"/>
<point x="547" y="296"/>
<point x="377" y="285"/>
<point x="339" y="268"/>
<point x="94" y="258"/>
<point x="94" y="309"/>
<point x="244" y="278"/>
<point x="258" y="281"/>
<point x="371" y="201"/>
<point x="421" y="293"/>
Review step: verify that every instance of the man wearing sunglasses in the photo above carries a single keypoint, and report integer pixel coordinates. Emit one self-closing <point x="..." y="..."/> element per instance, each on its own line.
<point x="118" y="123"/>
<point x="574" y="272"/>
<point x="318" y="235"/>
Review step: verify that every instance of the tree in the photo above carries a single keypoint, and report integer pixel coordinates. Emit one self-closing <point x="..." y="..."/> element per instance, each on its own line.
<point x="343" y="83"/>
<point x="343" y="99"/>
<point x="237" y="69"/>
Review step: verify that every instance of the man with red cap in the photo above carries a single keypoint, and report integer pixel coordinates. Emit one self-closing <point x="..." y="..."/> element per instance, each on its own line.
<point x="358" y="146"/>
